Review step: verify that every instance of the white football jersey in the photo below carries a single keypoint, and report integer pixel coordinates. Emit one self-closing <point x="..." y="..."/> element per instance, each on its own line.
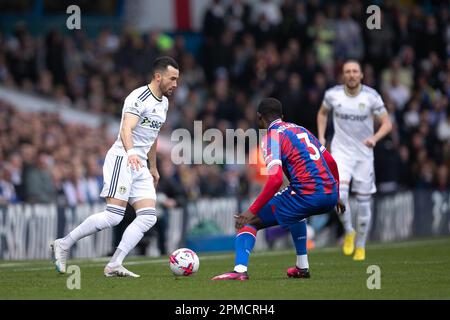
<point x="353" y="120"/>
<point x="152" y="113"/>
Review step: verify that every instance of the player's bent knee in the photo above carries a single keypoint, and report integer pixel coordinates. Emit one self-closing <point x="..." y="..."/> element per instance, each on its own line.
<point x="113" y="220"/>
<point x="113" y="215"/>
<point x="256" y="223"/>
<point x="363" y="197"/>
<point x="145" y="222"/>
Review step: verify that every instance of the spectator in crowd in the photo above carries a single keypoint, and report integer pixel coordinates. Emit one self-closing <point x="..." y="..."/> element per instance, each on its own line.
<point x="398" y="92"/>
<point x="37" y="179"/>
<point x="348" y="42"/>
<point x="7" y="190"/>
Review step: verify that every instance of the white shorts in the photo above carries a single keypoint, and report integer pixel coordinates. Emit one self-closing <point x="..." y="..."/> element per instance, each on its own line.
<point x="360" y="172"/>
<point x="120" y="182"/>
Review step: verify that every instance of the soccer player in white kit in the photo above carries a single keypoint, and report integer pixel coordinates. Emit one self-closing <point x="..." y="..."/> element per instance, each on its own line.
<point x="354" y="107"/>
<point x="125" y="173"/>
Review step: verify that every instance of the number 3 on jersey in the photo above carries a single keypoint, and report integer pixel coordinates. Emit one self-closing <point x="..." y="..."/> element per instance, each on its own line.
<point x="314" y="156"/>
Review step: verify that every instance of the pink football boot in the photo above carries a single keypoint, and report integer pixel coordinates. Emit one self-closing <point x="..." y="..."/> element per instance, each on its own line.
<point x="296" y="272"/>
<point x="233" y="275"/>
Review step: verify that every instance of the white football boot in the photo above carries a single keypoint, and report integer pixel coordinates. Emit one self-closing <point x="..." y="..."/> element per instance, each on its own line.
<point x="119" y="271"/>
<point x="59" y="256"/>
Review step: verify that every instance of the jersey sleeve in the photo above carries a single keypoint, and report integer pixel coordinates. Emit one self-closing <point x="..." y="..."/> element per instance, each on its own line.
<point x="133" y="105"/>
<point x="270" y="146"/>
<point x="377" y="106"/>
<point x="328" y="100"/>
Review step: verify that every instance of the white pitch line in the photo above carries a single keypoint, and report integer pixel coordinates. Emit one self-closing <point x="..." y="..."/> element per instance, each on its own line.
<point x="376" y="246"/>
<point x="135" y="263"/>
<point x="131" y="263"/>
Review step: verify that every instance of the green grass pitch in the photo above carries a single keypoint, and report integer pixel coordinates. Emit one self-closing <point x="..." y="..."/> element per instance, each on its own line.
<point x="418" y="269"/>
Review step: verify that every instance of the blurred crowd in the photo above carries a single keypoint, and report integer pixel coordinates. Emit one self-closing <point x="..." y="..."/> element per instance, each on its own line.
<point x="44" y="160"/>
<point x="292" y="50"/>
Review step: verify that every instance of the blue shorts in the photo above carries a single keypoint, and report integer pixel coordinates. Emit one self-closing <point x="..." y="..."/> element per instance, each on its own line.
<point x="287" y="207"/>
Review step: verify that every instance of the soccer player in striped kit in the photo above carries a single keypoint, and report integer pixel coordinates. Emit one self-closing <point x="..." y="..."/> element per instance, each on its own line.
<point x="313" y="189"/>
<point x="126" y="176"/>
<point x="354" y="108"/>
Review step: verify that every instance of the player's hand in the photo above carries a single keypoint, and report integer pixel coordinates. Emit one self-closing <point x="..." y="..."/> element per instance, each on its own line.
<point x="155" y="174"/>
<point x="170" y="203"/>
<point x="134" y="162"/>
<point x="322" y="141"/>
<point x="340" y="207"/>
<point x="242" y="219"/>
<point x="371" y="143"/>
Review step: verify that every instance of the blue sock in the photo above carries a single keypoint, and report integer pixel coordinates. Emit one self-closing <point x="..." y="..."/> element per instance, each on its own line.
<point x="298" y="232"/>
<point x="243" y="245"/>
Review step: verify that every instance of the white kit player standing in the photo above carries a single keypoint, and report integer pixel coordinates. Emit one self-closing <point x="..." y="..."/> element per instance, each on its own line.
<point x="354" y="106"/>
<point x="125" y="173"/>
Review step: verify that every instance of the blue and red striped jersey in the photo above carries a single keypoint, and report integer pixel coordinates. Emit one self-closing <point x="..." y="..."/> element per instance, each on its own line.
<point x="299" y="153"/>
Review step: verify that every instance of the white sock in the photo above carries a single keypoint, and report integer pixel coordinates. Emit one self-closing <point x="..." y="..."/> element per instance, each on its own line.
<point x="117" y="258"/>
<point x="94" y="223"/>
<point x="363" y="220"/>
<point x="302" y="261"/>
<point x="67" y="242"/>
<point x="346" y="217"/>
<point x="240" y="268"/>
<point x="145" y="219"/>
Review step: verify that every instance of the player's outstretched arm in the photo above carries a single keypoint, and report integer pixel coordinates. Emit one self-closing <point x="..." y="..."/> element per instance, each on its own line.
<point x="322" y="117"/>
<point x="129" y="122"/>
<point x="385" y="128"/>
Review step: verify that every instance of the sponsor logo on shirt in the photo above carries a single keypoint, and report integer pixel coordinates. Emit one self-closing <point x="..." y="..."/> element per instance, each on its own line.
<point x="153" y="124"/>
<point x="351" y="117"/>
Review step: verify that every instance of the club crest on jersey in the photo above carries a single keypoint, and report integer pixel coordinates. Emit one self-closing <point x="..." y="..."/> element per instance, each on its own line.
<point x="122" y="190"/>
<point x="138" y="103"/>
<point x="362" y="106"/>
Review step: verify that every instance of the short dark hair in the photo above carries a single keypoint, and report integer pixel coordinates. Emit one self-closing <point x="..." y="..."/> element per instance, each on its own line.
<point x="270" y="108"/>
<point x="161" y="63"/>
<point x="352" y="61"/>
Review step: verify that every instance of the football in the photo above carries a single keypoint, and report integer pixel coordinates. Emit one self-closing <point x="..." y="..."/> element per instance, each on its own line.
<point x="184" y="262"/>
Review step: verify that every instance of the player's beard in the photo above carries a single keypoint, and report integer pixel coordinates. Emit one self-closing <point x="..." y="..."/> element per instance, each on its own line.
<point x="167" y="92"/>
<point x="353" y="84"/>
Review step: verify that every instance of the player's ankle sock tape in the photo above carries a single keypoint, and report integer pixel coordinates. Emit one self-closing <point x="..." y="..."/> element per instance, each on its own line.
<point x="244" y="243"/>
<point x="302" y="261"/>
